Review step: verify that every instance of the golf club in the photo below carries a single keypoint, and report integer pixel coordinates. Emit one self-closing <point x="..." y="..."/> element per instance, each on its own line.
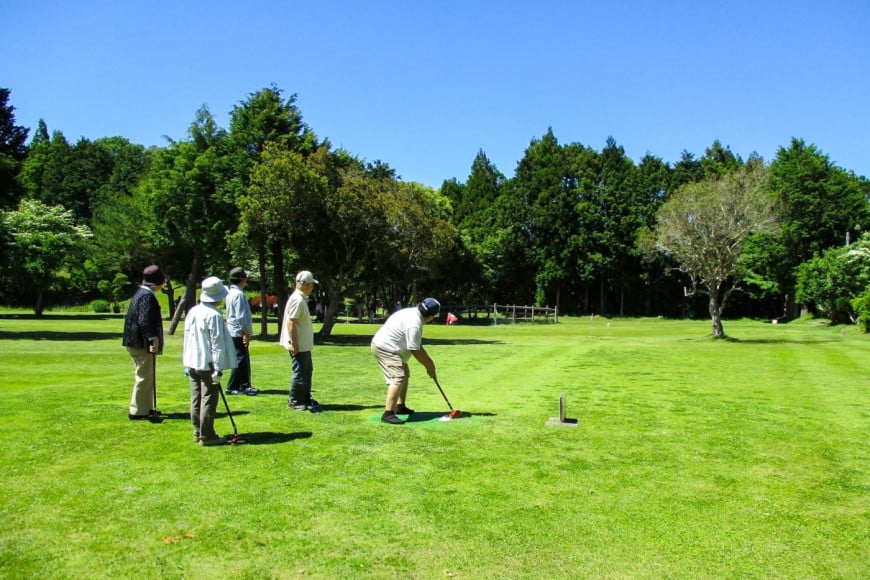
<point x="454" y="413"/>
<point x="154" y="411"/>
<point x="235" y="438"/>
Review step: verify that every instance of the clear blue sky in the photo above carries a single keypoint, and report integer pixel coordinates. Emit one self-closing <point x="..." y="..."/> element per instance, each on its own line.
<point x="424" y="85"/>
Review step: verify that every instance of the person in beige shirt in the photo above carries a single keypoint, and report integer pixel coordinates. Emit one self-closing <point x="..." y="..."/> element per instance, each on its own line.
<point x="297" y="336"/>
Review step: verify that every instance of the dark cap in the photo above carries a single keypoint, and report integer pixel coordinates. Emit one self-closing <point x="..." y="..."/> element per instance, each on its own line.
<point x="153" y="276"/>
<point x="238" y="273"/>
<point x="429" y="307"/>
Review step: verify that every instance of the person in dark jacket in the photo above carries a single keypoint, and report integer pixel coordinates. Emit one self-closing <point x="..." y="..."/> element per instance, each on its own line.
<point x="143" y="337"/>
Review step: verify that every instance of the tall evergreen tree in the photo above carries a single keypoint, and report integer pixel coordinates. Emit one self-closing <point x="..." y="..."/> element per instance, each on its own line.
<point x="822" y="205"/>
<point x="13" y="149"/>
<point x="544" y="179"/>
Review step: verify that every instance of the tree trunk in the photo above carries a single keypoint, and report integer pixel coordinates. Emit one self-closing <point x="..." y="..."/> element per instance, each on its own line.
<point x="40" y="304"/>
<point x="281" y="293"/>
<point x="170" y="295"/>
<point x="716" y="314"/>
<point x="602" y="299"/>
<point x="331" y="313"/>
<point x="189" y="293"/>
<point x="264" y="294"/>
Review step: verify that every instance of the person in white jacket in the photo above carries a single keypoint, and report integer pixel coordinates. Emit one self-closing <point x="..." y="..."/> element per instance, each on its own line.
<point x="208" y="351"/>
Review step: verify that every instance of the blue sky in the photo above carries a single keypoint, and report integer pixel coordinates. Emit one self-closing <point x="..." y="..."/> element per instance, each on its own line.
<point x="423" y="86"/>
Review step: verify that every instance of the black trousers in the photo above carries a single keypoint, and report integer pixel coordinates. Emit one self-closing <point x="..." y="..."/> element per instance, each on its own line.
<point x="240" y="379"/>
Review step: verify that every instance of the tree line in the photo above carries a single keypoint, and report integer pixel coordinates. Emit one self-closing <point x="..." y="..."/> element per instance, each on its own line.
<point x="585" y="230"/>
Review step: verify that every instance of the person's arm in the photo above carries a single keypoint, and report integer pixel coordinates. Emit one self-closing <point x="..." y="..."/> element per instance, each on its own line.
<point x="292" y="330"/>
<point x="247" y="320"/>
<point x="424" y="359"/>
<point x="216" y="344"/>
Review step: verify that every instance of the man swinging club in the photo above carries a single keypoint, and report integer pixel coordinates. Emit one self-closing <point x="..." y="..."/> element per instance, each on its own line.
<point x="393" y="344"/>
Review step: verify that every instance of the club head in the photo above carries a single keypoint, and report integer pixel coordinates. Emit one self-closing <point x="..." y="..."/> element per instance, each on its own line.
<point x="455" y="414"/>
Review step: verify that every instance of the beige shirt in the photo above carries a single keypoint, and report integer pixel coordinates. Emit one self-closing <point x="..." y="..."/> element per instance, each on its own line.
<point x="297" y="310"/>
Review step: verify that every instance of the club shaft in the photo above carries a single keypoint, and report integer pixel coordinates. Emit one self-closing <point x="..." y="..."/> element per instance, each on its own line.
<point x="229" y="413"/>
<point x="442" y="393"/>
<point x="154" y="377"/>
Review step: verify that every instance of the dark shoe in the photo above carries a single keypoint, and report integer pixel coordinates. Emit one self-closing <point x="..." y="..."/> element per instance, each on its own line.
<point x="252" y="392"/>
<point x="212" y="442"/>
<point x="401" y="409"/>
<point x="155" y="418"/>
<point x="314" y="406"/>
<point x="155" y="412"/>
<point x="297" y="406"/>
<point x="390" y="417"/>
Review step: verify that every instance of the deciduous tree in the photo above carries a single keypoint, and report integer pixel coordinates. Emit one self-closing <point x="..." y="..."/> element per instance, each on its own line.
<point x="43" y="240"/>
<point x="704" y="226"/>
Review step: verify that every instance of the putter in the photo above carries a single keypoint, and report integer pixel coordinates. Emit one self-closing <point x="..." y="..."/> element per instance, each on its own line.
<point x="155" y="410"/>
<point x="235" y="438"/>
<point x="454" y="413"/>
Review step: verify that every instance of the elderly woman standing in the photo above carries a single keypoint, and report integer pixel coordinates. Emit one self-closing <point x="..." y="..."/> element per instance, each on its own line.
<point x="208" y="351"/>
<point x="143" y="338"/>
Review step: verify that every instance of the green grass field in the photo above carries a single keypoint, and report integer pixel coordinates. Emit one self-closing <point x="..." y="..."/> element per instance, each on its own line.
<point x="691" y="457"/>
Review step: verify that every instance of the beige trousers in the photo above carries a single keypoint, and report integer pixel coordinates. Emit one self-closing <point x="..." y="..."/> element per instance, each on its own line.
<point x="142" y="400"/>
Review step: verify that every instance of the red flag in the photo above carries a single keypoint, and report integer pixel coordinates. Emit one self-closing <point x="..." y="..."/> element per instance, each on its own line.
<point x="452" y="318"/>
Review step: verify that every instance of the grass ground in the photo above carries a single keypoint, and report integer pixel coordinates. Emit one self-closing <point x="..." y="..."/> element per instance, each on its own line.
<point x="690" y="458"/>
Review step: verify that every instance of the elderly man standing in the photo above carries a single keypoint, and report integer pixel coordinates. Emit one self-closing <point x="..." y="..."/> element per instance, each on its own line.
<point x="143" y="337"/>
<point x="297" y="336"/>
<point x="208" y="351"/>
<point x="241" y="327"/>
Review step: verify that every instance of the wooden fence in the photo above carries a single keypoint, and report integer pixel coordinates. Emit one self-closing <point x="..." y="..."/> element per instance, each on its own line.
<point x="501" y="313"/>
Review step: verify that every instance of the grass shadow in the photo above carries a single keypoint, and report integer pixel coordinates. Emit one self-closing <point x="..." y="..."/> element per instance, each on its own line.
<point x="220" y="414"/>
<point x="271" y="438"/>
<point x="349" y="407"/>
<point x="186" y="416"/>
<point x="284" y="392"/>
<point x="422" y="416"/>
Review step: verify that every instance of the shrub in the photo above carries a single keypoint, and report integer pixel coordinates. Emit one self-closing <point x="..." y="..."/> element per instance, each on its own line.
<point x="861" y="304"/>
<point x="100" y="305"/>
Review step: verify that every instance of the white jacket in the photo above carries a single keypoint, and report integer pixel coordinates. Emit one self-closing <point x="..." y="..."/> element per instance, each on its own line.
<point x="207" y="341"/>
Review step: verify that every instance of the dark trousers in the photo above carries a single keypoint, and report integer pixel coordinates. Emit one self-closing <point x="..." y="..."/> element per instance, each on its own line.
<point x="240" y="378"/>
<point x="300" y="386"/>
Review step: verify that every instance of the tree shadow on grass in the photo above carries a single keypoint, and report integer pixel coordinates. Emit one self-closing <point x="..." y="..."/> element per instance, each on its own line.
<point x="815" y="340"/>
<point x="55" y="336"/>
<point x="80" y="316"/>
<point x="348" y="340"/>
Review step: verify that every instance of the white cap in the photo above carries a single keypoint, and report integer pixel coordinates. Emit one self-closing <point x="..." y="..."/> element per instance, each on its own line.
<point x="305" y="277"/>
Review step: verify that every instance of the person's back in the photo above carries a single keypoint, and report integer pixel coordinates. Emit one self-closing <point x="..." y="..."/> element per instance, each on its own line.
<point x="401" y="333"/>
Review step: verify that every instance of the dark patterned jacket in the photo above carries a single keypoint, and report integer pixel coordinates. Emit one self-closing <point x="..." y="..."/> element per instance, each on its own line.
<point x="143" y="320"/>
